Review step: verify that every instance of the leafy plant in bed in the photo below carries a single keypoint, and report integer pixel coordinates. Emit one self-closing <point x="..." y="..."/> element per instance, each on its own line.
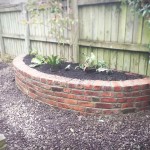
<point x="88" y="70"/>
<point x="38" y="60"/>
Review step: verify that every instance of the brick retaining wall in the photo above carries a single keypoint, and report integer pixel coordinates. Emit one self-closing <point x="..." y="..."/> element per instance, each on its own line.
<point x="87" y="97"/>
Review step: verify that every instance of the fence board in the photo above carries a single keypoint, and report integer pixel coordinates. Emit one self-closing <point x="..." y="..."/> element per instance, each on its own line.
<point x="122" y="23"/>
<point x="129" y="26"/>
<point x="120" y="60"/>
<point x="112" y="35"/>
<point x="108" y="23"/>
<point x="114" y="23"/>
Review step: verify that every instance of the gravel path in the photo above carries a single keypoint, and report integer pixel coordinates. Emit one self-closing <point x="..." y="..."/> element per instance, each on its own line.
<point x="31" y="125"/>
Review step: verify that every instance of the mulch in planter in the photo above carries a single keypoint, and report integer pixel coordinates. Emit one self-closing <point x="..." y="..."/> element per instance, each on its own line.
<point x="113" y="75"/>
<point x="31" y="125"/>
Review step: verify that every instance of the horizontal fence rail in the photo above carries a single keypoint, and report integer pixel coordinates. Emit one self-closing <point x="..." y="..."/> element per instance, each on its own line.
<point x="105" y="27"/>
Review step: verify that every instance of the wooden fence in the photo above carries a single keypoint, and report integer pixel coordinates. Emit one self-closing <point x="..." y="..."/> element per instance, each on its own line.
<point x="110" y="30"/>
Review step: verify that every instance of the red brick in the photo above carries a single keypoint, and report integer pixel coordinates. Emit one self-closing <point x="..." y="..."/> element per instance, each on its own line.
<point x="94" y="110"/>
<point x="83" y="98"/>
<point x="43" y="80"/>
<point x="127" y="105"/>
<point x="32" y="95"/>
<point x="67" y="90"/>
<point x="116" y="86"/>
<point x="119" y="95"/>
<point x="63" y="105"/>
<point x="47" y="101"/>
<point x="142" y="98"/>
<point x="146" y="103"/>
<point x="97" y="85"/>
<point x="71" y="96"/>
<point x="135" y="88"/>
<point x="91" y="93"/>
<point x="78" y="92"/>
<point x="85" y="104"/>
<point x="129" y="100"/>
<point x="61" y="94"/>
<point x="104" y="105"/>
<point x="107" y="94"/>
<point x="70" y="101"/>
<point x="136" y="94"/>
<point x="41" y="85"/>
<point x="77" y="108"/>
<point x="108" y="100"/>
<point x="122" y="100"/>
<point x="128" y="94"/>
<point x="111" y="112"/>
<point x="57" y="88"/>
<point x="138" y="105"/>
<point x="71" y="85"/>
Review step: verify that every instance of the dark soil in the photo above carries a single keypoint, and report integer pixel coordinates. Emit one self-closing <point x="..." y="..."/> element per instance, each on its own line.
<point x="113" y="75"/>
<point x="31" y="125"/>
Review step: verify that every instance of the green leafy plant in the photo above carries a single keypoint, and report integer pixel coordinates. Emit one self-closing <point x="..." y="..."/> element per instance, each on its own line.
<point x="59" y="22"/>
<point x="53" y="60"/>
<point x="89" y="63"/>
<point x="37" y="61"/>
<point x="101" y="64"/>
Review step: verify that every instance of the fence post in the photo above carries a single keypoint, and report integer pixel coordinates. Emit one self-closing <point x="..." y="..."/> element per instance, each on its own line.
<point x="2" y="47"/>
<point x="27" y="30"/>
<point x="75" y="31"/>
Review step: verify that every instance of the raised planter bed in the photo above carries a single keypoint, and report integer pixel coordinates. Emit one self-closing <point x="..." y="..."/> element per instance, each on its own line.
<point x="84" y="96"/>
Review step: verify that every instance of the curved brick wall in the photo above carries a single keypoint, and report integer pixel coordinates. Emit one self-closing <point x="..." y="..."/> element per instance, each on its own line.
<point x="87" y="97"/>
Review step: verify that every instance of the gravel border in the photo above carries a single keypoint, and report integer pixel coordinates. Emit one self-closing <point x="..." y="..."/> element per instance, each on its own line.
<point x="31" y="125"/>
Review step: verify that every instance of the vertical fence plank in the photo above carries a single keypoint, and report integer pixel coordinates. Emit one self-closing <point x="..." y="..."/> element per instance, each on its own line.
<point x="129" y="26"/>
<point x="137" y="33"/>
<point x="108" y="22"/>
<point x="134" y="62"/>
<point x="107" y="57"/>
<point x="143" y="62"/>
<point x="122" y="23"/>
<point x="114" y="23"/>
<point x="2" y="48"/>
<point x="113" y="59"/>
<point x="75" y="33"/>
<point x="101" y="24"/>
<point x="127" y="59"/>
<point x="27" y="31"/>
<point x="120" y="60"/>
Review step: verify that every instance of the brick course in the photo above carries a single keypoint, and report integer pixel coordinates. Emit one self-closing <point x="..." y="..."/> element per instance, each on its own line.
<point x="87" y="97"/>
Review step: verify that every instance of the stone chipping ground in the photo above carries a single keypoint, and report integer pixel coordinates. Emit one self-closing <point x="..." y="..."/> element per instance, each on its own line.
<point x="30" y="125"/>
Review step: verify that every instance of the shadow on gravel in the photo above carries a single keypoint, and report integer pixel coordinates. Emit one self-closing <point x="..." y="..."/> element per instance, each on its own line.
<point x="31" y="125"/>
<point x="3" y="65"/>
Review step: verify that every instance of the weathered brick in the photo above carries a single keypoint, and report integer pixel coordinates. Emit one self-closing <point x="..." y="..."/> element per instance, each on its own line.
<point x="116" y="86"/>
<point x="111" y="112"/>
<point x="95" y="99"/>
<point x="107" y="94"/>
<point x="130" y="100"/>
<point x="129" y="110"/>
<point x="104" y="105"/>
<point x="91" y="93"/>
<point x="70" y="101"/>
<point x="122" y="100"/>
<point x="67" y="90"/>
<point x="93" y="110"/>
<point x="85" y="104"/>
<point x="108" y="100"/>
<point x="32" y="95"/>
<point x="57" y="88"/>
<point x="43" y="80"/>
<point x="127" y="105"/>
<point x="78" y="92"/>
<point x="144" y="98"/>
<point x="119" y="95"/>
